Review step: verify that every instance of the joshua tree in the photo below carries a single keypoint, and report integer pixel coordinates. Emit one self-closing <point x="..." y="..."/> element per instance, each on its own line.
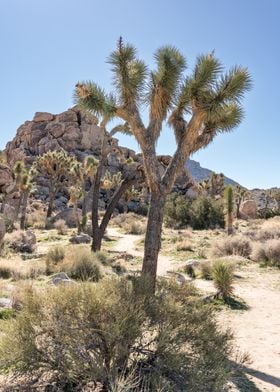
<point x="56" y="167"/>
<point x="75" y="195"/>
<point x="239" y="193"/>
<point x="214" y="186"/>
<point x="24" y="184"/>
<point x="196" y="107"/>
<point x="229" y="208"/>
<point x="89" y="170"/>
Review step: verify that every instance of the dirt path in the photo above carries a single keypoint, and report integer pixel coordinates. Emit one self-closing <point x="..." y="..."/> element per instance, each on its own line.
<point x="127" y="243"/>
<point x="257" y="330"/>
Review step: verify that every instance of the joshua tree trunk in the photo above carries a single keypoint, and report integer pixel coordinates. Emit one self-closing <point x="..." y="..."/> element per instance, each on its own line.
<point x="51" y="203"/>
<point x="94" y="215"/>
<point x="153" y="237"/>
<point x="19" y="206"/>
<point x="126" y="184"/>
<point x="86" y="196"/>
<point x="23" y="210"/>
<point x="76" y="214"/>
<point x="229" y="223"/>
<point x="100" y="230"/>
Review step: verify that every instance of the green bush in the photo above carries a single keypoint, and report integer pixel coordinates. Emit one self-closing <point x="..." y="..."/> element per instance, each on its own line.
<point x="84" y="266"/>
<point x="106" y="331"/>
<point x="200" y="213"/>
<point x="222" y="273"/>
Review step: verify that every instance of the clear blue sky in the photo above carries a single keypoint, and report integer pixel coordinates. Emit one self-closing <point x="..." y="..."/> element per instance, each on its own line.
<point x="48" y="45"/>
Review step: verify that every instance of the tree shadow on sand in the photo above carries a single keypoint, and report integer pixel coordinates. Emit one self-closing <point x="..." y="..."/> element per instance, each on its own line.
<point x="244" y="384"/>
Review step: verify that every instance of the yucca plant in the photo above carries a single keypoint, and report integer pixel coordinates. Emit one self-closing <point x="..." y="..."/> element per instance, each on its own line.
<point x="197" y="107"/>
<point x="222" y="274"/>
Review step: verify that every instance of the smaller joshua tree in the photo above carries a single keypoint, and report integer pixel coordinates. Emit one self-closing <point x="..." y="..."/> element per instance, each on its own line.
<point x="229" y="208"/>
<point x="213" y="186"/>
<point x="239" y="196"/>
<point x="24" y="184"/>
<point x="56" y="167"/>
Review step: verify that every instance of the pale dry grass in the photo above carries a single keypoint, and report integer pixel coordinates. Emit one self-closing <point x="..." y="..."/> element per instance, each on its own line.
<point x="19" y="269"/>
<point x="130" y="223"/>
<point x="232" y="245"/>
<point x="268" y="252"/>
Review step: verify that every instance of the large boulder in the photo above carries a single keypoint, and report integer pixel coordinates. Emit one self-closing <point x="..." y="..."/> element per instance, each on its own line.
<point x="8" y="211"/>
<point x="68" y="216"/>
<point x="71" y="130"/>
<point x="60" y="278"/>
<point x="82" y="238"/>
<point x="6" y="178"/>
<point x="248" y="209"/>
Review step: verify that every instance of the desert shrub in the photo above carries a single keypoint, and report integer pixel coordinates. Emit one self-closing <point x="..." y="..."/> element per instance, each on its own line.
<point x="61" y="227"/>
<point x="131" y="223"/>
<point x="36" y="219"/>
<point x="6" y="314"/>
<point x="184" y="245"/>
<point x="119" y="268"/>
<point x="206" y="270"/>
<point x="85" y="333"/>
<point x="222" y="274"/>
<point x="268" y="252"/>
<point x="190" y="270"/>
<point x="6" y="270"/>
<point x="20" y="270"/>
<point x="207" y="213"/>
<point x="177" y="211"/>
<point x="235" y="245"/>
<point x="200" y="213"/>
<point x="135" y="228"/>
<point x="56" y="254"/>
<point x="201" y="252"/>
<point x="83" y="266"/>
<point x="21" y="241"/>
<point x="103" y="257"/>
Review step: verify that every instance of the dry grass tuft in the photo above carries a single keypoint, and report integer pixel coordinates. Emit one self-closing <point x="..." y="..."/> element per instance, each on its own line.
<point x="61" y="227"/>
<point x="235" y="245"/>
<point x="130" y="223"/>
<point x="268" y="252"/>
<point x="184" y="245"/>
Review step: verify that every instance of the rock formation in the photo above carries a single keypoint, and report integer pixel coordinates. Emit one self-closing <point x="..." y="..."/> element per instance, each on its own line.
<point x="76" y="133"/>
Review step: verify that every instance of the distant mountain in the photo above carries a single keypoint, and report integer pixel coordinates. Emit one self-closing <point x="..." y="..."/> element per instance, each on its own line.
<point x="199" y="173"/>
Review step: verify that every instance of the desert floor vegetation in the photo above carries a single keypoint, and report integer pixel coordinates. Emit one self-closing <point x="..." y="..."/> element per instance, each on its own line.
<point x="239" y="299"/>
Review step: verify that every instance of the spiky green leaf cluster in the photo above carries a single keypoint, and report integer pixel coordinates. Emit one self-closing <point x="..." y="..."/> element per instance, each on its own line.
<point x="111" y="181"/>
<point x="129" y="74"/>
<point x="23" y="177"/>
<point x="169" y="94"/>
<point x="165" y="81"/>
<point x="92" y="98"/>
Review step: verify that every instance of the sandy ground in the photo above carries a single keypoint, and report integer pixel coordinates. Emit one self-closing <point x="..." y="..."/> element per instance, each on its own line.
<point x="256" y="330"/>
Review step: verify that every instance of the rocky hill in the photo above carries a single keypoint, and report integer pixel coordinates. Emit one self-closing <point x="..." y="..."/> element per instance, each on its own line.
<point x="199" y="173"/>
<point x="79" y="134"/>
